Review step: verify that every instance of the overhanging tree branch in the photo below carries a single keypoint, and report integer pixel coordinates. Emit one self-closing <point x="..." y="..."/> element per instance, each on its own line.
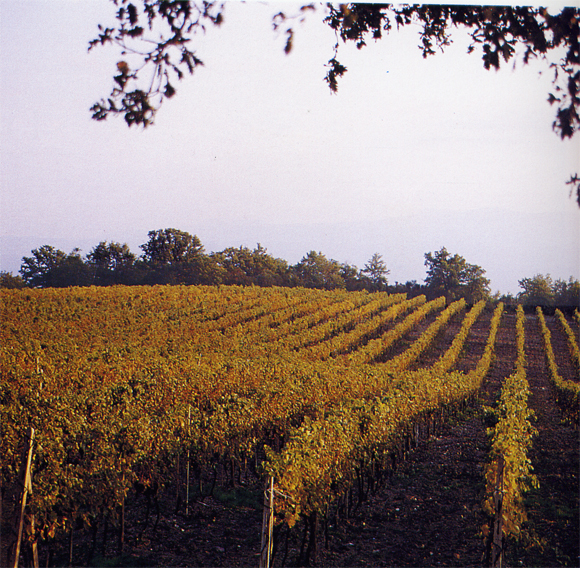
<point x="497" y="30"/>
<point x="161" y="46"/>
<point x="155" y="35"/>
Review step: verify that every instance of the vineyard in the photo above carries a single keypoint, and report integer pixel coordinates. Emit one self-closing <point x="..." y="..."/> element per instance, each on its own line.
<point x="246" y="426"/>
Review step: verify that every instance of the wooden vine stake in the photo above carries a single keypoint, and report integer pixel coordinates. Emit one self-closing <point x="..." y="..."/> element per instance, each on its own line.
<point x="497" y="542"/>
<point x="187" y="470"/>
<point x="267" y="526"/>
<point x="25" y="491"/>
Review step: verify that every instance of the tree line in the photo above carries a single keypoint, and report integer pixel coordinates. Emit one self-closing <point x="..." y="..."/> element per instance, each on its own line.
<point x="171" y="256"/>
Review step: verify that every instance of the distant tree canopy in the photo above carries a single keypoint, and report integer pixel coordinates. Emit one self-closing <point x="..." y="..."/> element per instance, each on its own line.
<point x="242" y="266"/>
<point x="155" y="35"/>
<point x="171" y="256"/>
<point x="376" y="271"/>
<point x="454" y="278"/>
<point x="171" y="247"/>
<point x="543" y="291"/>
<point x="11" y="282"/>
<point x="316" y="271"/>
<point x="111" y="263"/>
<point x="52" y="268"/>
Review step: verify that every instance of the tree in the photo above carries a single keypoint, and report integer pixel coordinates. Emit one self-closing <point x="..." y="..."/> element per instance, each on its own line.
<point x="509" y="300"/>
<point x="567" y="294"/>
<point x="543" y="291"/>
<point x="242" y="266"/>
<point x="50" y="267"/>
<point x="158" y="32"/>
<point x="157" y="35"/>
<point x="316" y="271"/>
<point x="454" y="278"/>
<point x="376" y="270"/>
<point x="537" y="291"/>
<point x="412" y="288"/>
<point x="171" y="246"/>
<point x="36" y="270"/>
<point x="175" y="257"/>
<point x="498" y="30"/>
<point x="11" y="282"/>
<point x="111" y="263"/>
<point x="351" y="277"/>
<point x="475" y="284"/>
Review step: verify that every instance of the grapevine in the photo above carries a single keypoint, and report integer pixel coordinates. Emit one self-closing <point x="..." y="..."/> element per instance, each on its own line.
<point x="121" y="383"/>
<point x="571" y="338"/>
<point x="508" y="474"/>
<point x="567" y="391"/>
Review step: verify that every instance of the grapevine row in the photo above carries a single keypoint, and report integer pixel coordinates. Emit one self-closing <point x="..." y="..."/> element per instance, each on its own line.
<point x="347" y="321"/>
<point x="450" y="357"/>
<point x="348" y="340"/>
<point x="567" y="391"/>
<point x="149" y="384"/>
<point x="480" y="372"/>
<point x="377" y="347"/>
<point x="508" y="474"/>
<point x="571" y="338"/>
<point x="322" y="456"/>
<point x="409" y="356"/>
<point x="317" y="313"/>
<point x="119" y="382"/>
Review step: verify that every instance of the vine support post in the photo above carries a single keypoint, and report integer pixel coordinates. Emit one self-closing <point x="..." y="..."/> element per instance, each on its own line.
<point x="267" y="526"/>
<point x="70" y="545"/>
<point x="122" y="527"/>
<point x="177" y="482"/>
<point x="35" y="562"/>
<point x="25" y="491"/>
<point x="187" y="466"/>
<point x="497" y="539"/>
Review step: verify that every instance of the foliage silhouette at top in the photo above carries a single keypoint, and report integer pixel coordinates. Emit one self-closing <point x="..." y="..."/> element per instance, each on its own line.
<point x="157" y="35"/>
<point x="160" y="32"/>
<point x="497" y="29"/>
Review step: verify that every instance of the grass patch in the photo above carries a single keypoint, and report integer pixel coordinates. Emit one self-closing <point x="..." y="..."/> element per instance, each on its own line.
<point x="239" y="497"/>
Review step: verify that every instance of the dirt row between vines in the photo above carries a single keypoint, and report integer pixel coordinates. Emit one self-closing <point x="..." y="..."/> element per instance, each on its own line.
<point x="428" y="514"/>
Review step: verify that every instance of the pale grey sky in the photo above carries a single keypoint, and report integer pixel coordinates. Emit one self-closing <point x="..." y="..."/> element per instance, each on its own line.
<point x="409" y="156"/>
